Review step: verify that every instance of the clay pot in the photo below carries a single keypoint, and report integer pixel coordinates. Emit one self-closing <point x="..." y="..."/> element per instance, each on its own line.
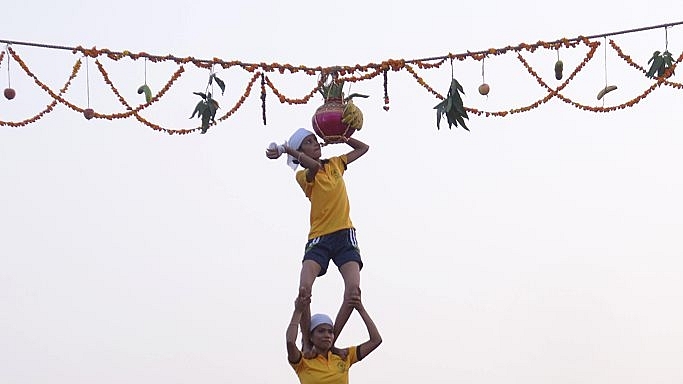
<point x="327" y="122"/>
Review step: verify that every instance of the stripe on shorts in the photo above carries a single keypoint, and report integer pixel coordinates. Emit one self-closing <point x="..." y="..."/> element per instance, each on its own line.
<point x="352" y="237"/>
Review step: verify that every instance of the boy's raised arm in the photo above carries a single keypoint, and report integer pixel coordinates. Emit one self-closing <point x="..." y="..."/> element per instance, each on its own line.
<point x="359" y="149"/>
<point x="301" y="305"/>
<point x="375" y="338"/>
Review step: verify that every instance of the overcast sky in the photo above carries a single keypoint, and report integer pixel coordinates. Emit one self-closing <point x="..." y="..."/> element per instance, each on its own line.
<point x="540" y="247"/>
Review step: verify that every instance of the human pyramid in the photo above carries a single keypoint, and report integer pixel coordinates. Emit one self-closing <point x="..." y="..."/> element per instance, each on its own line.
<point x="331" y="237"/>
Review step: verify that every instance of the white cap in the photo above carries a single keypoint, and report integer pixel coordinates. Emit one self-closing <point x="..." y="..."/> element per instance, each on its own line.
<point x="319" y="319"/>
<point x="294" y="142"/>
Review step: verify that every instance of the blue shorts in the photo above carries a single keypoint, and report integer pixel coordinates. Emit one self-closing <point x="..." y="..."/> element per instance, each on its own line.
<point x="340" y="247"/>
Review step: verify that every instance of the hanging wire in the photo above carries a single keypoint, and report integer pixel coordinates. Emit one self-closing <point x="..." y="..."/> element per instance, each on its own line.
<point x="483" y="79"/>
<point x="666" y="38"/>
<point x="87" y="79"/>
<point x="145" y="71"/>
<point x="605" y="56"/>
<point x="213" y="73"/>
<point x="210" y="83"/>
<point x="9" y="82"/>
<point x="605" y="51"/>
<point x="452" y="74"/>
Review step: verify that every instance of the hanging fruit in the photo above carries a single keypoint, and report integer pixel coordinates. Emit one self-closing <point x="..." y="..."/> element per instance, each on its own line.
<point x="89" y="113"/>
<point x="10" y="93"/>
<point x="484" y="89"/>
<point x="352" y="116"/>
<point x="148" y="92"/>
<point x="559" y="66"/>
<point x="606" y="90"/>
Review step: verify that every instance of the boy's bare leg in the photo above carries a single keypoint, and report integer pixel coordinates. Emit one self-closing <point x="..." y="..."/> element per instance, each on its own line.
<point x="351" y="273"/>
<point x="309" y="271"/>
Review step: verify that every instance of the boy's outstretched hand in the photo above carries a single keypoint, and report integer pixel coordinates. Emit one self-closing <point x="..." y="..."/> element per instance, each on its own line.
<point x="274" y="151"/>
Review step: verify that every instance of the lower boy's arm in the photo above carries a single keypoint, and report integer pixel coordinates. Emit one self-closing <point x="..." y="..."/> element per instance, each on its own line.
<point x="305" y="324"/>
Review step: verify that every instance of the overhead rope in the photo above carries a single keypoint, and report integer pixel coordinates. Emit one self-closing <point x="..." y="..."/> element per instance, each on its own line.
<point x="410" y="61"/>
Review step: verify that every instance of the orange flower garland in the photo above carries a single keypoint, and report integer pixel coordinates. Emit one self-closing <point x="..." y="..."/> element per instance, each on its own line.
<point x="567" y="100"/>
<point x="348" y="73"/>
<point x="630" y="62"/>
<point x="284" y="99"/>
<point x="49" y="107"/>
<point x="132" y="111"/>
<point x="242" y="99"/>
<point x="422" y="82"/>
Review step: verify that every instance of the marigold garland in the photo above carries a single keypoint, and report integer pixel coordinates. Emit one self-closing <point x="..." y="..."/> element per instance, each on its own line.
<point x="176" y="75"/>
<point x="630" y="62"/>
<point x="242" y="99"/>
<point x="284" y="99"/>
<point x="422" y="82"/>
<point x="43" y="85"/>
<point x="629" y="103"/>
<point x="49" y="108"/>
<point x="348" y="73"/>
<point x="393" y="64"/>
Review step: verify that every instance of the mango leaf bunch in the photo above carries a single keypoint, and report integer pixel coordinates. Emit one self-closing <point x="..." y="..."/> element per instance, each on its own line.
<point x="660" y="63"/>
<point x="332" y="89"/>
<point x="452" y="107"/>
<point x="207" y="107"/>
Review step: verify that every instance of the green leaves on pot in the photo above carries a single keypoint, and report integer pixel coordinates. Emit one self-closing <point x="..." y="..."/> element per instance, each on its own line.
<point x="205" y="110"/>
<point x="452" y="107"/>
<point x="660" y="63"/>
<point x="332" y="90"/>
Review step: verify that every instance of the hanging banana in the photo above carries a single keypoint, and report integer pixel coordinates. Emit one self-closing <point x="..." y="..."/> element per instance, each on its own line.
<point x="606" y="90"/>
<point x="148" y="92"/>
<point x="352" y="116"/>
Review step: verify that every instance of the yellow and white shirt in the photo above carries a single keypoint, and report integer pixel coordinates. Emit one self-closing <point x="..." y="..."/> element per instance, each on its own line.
<point x="330" y="209"/>
<point x="321" y="370"/>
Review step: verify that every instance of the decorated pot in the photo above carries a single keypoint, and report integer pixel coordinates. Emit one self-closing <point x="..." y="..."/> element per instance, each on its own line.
<point x="327" y="122"/>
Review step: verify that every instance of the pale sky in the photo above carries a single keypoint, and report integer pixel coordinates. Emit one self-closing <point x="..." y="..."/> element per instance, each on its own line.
<point x="541" y="247"/>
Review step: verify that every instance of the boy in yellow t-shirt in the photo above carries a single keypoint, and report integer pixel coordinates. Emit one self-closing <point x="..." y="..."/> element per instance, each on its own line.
<point x="324" y="364"/>
<point x="332" y="235"/>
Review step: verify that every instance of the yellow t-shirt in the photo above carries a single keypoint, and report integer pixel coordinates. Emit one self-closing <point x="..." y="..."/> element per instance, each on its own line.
<point x="319" y="370"/>
<point x="329" y="201"/>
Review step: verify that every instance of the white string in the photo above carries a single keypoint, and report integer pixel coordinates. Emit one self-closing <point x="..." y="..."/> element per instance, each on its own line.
<point x="87" y="79"/>
<point x="9" y="82"/>
<point x="605" y="50"/>
<point x="483" y="78"/>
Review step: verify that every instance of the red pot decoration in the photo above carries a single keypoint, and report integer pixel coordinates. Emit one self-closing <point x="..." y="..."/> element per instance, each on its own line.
<point x="327" y="122"/>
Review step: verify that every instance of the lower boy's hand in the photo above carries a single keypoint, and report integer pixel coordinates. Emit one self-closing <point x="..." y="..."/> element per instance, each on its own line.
<point x="355" y="301"/>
